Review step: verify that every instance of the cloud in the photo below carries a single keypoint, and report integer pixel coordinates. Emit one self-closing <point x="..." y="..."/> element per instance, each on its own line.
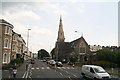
<point x="80" y="9"/>
<point x="47" y="6"/>
<point x="54" y="8"/>
<point x="41" y="31"/>
<point x="20" y="14"/>
<point x="24" y="16"/>
<point x="60" y="12"/>
<point x="75" y="1"/>
<point x="39" y="37"/>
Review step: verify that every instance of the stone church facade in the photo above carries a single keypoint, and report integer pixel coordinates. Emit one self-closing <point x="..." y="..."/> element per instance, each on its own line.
<point x="78" y="47"/>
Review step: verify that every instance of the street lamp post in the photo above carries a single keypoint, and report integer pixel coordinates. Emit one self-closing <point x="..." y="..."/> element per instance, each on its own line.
<point x="79" y="32"/>
<point x="28" y="41"/>
<point x="78" y="47"/>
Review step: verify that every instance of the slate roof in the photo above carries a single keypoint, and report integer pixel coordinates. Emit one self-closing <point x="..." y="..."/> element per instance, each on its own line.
<point x="64" y="47"/>
<point x="2" y="21"/>
<point x="75" y="42"/>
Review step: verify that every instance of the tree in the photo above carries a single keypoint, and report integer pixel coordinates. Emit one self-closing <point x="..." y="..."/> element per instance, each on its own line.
<point x="52" y="52"/>
<point x="106" y="55"/>
<point x="73" y="59"/>
<point x="118" y="58"/>
<point x="43" y="53"/>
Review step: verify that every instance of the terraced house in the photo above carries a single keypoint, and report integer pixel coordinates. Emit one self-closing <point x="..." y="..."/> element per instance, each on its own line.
<point x="6" y="40"/>
<point x="13" y="44"/>
<point x="18" y="46"/>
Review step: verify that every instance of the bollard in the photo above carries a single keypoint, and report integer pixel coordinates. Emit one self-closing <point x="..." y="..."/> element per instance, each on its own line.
<point x="112" y="70"/>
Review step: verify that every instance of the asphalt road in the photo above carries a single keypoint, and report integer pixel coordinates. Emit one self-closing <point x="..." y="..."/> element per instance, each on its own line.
<point x="41" y="70"/>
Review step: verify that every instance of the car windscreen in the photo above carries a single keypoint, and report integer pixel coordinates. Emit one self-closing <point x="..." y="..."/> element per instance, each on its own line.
<point x="99" y="70"/>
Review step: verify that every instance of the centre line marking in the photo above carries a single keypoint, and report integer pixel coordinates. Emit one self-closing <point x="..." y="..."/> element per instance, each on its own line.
<point x="61" y="74"/>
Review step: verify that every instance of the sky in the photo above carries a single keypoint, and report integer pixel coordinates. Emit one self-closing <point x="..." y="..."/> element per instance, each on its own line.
<point x="96" y="20"/>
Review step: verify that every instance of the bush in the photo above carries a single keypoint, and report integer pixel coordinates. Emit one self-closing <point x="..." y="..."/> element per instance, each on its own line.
<point x="111" y="58"/>
<point x="8" y="66"/>
<point x="17" y="61"/>
<point x="73" y="59"/>
<point x="106" y="64"/>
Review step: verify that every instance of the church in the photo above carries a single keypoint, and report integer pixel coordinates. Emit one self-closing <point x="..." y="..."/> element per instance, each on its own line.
<point x="78" y="47"/>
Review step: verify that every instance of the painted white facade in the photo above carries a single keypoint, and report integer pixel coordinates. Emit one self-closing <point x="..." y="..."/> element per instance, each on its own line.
<point x="95" y="47"/>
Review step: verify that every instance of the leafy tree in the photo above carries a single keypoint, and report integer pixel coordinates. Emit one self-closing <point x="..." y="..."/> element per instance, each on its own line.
<point x="105" y="55"/>
<point x="108" y="56"/>
<point x="118" y="58"/>
<point x="43" y="53"/>
<point x="52" y="52"/>
<point x="73" y="59"/>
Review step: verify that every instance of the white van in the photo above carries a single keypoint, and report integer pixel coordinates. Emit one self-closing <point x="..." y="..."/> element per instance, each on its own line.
<point x="94" y="72"/>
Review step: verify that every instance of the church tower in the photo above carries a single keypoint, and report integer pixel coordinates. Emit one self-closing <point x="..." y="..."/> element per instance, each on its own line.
<point x="61" y="37"/>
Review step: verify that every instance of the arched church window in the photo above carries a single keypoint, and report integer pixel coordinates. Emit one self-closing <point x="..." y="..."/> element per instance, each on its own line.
<point x="82" y="49"/>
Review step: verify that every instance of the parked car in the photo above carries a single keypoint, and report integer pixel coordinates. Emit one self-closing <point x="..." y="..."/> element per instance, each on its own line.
<point x="32" y="61"/>
<point x="28" y="61"/>
<point x="59" y="64"/>
<point x="70" y="63"/>
<point x="48" y="62"/>
<point x="44" y="60"/>
<point x="94" y="72"/>
<point x="52" y="62"/>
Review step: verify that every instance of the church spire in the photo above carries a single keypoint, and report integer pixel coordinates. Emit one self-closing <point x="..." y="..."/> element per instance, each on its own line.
<point x="61" y="37"/>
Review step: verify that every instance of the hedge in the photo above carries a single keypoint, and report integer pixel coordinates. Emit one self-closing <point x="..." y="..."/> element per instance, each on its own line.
<point x="18" y="61"/>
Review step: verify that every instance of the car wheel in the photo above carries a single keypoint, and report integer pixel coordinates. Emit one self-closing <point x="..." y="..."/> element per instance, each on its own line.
<point x="95" y="78"/>
<point x="83" y="75"/>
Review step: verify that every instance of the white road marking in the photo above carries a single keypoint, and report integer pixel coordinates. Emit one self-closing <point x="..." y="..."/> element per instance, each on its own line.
<point x="67" y="72"/>
<point x="68" y="67"/>
<point x="42" y="68"/>
<point x="48" y="67"/>
<point x="69" y="78"/>
<point x="61" y="74"/>
<point x="37" y="68"/>
<point x="74" y="75"/>
<point x="24" y="75"/>
<point x="72" y="68"/>
<point x="26" y="72"/>
<point x="58" y="67"/>
<point x="32" y="68"/>
<point x="63" y="67"/>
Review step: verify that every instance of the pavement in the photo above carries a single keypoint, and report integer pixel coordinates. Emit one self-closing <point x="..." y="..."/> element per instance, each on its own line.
<point x="114" y="72"/>
<point x="20" y="72"/>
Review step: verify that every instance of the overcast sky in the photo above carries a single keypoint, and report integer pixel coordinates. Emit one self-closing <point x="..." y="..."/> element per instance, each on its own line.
<point x="98" y="21"/>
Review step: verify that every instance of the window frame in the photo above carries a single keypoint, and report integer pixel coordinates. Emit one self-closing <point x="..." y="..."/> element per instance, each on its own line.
<point x="7" y="30"/>
<point x="5" y="58"/>
<point x="6" y="44"/>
